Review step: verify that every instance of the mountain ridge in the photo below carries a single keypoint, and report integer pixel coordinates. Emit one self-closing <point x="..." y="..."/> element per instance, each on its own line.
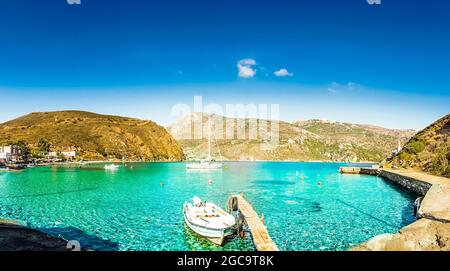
<point x="310" y="140"/>
<point x="94" y="136"/>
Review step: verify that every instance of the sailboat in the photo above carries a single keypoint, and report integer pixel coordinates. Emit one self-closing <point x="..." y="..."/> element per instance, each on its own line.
<point x="208" y="163"/>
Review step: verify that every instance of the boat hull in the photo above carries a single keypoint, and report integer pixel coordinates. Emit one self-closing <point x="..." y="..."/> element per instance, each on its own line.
<point x="111" y="167"/>
<point x="204" y="166"/>
<point x="216" y="236"/>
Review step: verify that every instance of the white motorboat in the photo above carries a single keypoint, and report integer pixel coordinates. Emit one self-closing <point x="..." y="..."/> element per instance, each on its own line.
<point x="209" y="163"/>
<point x="208" y="220"/>
<point x="204" y="165"/>
<point x="111" y="167"/>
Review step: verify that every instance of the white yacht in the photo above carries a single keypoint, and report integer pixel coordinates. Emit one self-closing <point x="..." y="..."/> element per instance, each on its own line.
<point x="204" y="165"/>
<point x="111" y="167"/>
<point x="209" y="163"/>
<point x="208" y="220"/>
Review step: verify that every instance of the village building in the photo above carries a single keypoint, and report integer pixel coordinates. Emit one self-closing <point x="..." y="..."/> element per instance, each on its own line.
<point x="10" y="154"/>
<point x="69" y="154"/>
<point x="52" y="156"/>
<point x="5" y="154"/>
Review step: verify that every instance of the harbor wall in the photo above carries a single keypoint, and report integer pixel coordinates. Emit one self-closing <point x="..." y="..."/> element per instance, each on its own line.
<point x="414" y="185"/>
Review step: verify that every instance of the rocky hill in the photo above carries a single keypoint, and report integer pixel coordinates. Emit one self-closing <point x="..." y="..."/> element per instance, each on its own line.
<point x="311" y="140"/>
<point x="94" y="136"/>
<point x="428" y="150"/>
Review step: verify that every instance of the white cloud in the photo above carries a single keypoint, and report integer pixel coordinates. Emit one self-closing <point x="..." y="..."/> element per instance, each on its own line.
<point x="245" y="68"/>
<point x="283" y="73"/>
<point x="332" y="90"/>
<point x="353" y="85"/>
<point x="335" y="87"/>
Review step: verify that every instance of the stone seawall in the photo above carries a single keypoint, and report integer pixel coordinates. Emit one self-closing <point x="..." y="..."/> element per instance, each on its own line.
<point x="414" y="185"/>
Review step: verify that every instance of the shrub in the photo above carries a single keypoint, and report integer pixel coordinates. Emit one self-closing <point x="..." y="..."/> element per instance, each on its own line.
<point x="404" y="155"/>
<point x="416" y="147"/>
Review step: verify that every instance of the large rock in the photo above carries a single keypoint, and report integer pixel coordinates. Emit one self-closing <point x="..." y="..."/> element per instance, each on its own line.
<point x="436" y="204"/>
<point x="423" y="235"/>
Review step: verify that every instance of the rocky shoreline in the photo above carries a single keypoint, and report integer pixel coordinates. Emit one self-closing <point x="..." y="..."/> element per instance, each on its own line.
<point x="431" y="232"/>
<point x="423" y="235"/>
<point x="17" y="237"/>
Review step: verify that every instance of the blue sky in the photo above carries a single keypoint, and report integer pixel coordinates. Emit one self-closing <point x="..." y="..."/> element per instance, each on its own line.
<point x="385" y="64"/>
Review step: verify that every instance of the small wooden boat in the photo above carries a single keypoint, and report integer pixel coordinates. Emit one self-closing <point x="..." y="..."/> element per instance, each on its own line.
<point x="208" y="220"/>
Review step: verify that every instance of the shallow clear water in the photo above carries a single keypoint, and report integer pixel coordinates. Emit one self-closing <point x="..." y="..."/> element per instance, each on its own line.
<point x="139" y="207"/>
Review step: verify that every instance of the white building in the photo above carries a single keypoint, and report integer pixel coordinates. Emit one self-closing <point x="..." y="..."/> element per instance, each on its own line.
<point x="10" y="153"/>
<point x="69" y="154"/>
<point x="52" y="154"/>
<point x="5" y="153"/>
<point x="399" y="148"/>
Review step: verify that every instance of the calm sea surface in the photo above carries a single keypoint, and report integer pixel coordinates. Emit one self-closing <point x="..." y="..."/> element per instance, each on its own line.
<point x="139" y="207"/>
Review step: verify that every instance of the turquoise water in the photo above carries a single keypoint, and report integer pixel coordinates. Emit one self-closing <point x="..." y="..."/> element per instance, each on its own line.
<point x="139" y="207"/>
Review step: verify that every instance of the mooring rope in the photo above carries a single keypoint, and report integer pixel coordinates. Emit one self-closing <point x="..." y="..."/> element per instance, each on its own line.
<point x="48" y="194"/>
<point x="369" y="215"/>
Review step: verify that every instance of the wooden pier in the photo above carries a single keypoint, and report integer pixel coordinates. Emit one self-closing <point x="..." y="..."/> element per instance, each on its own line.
<point x="359" y="170"/>
<point x="259" y="232"/>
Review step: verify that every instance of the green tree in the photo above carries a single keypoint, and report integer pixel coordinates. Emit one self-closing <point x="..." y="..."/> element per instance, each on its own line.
<point x="416" y="146"/>
<point x="44" y="146"/>
<point x="22" y="146"/>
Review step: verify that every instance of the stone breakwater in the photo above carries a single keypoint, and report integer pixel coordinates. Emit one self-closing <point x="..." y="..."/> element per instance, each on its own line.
<point x="432" y="229"/>
<point x="414" y="185"/>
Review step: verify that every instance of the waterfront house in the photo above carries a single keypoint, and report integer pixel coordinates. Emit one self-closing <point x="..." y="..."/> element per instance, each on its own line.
<point x="10" y="154"/>
<point x="69" y="154"/>
<point x="5" y="154"/>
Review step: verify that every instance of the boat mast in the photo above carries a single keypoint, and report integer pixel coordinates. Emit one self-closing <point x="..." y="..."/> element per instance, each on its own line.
<point x="209" y="140"/>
